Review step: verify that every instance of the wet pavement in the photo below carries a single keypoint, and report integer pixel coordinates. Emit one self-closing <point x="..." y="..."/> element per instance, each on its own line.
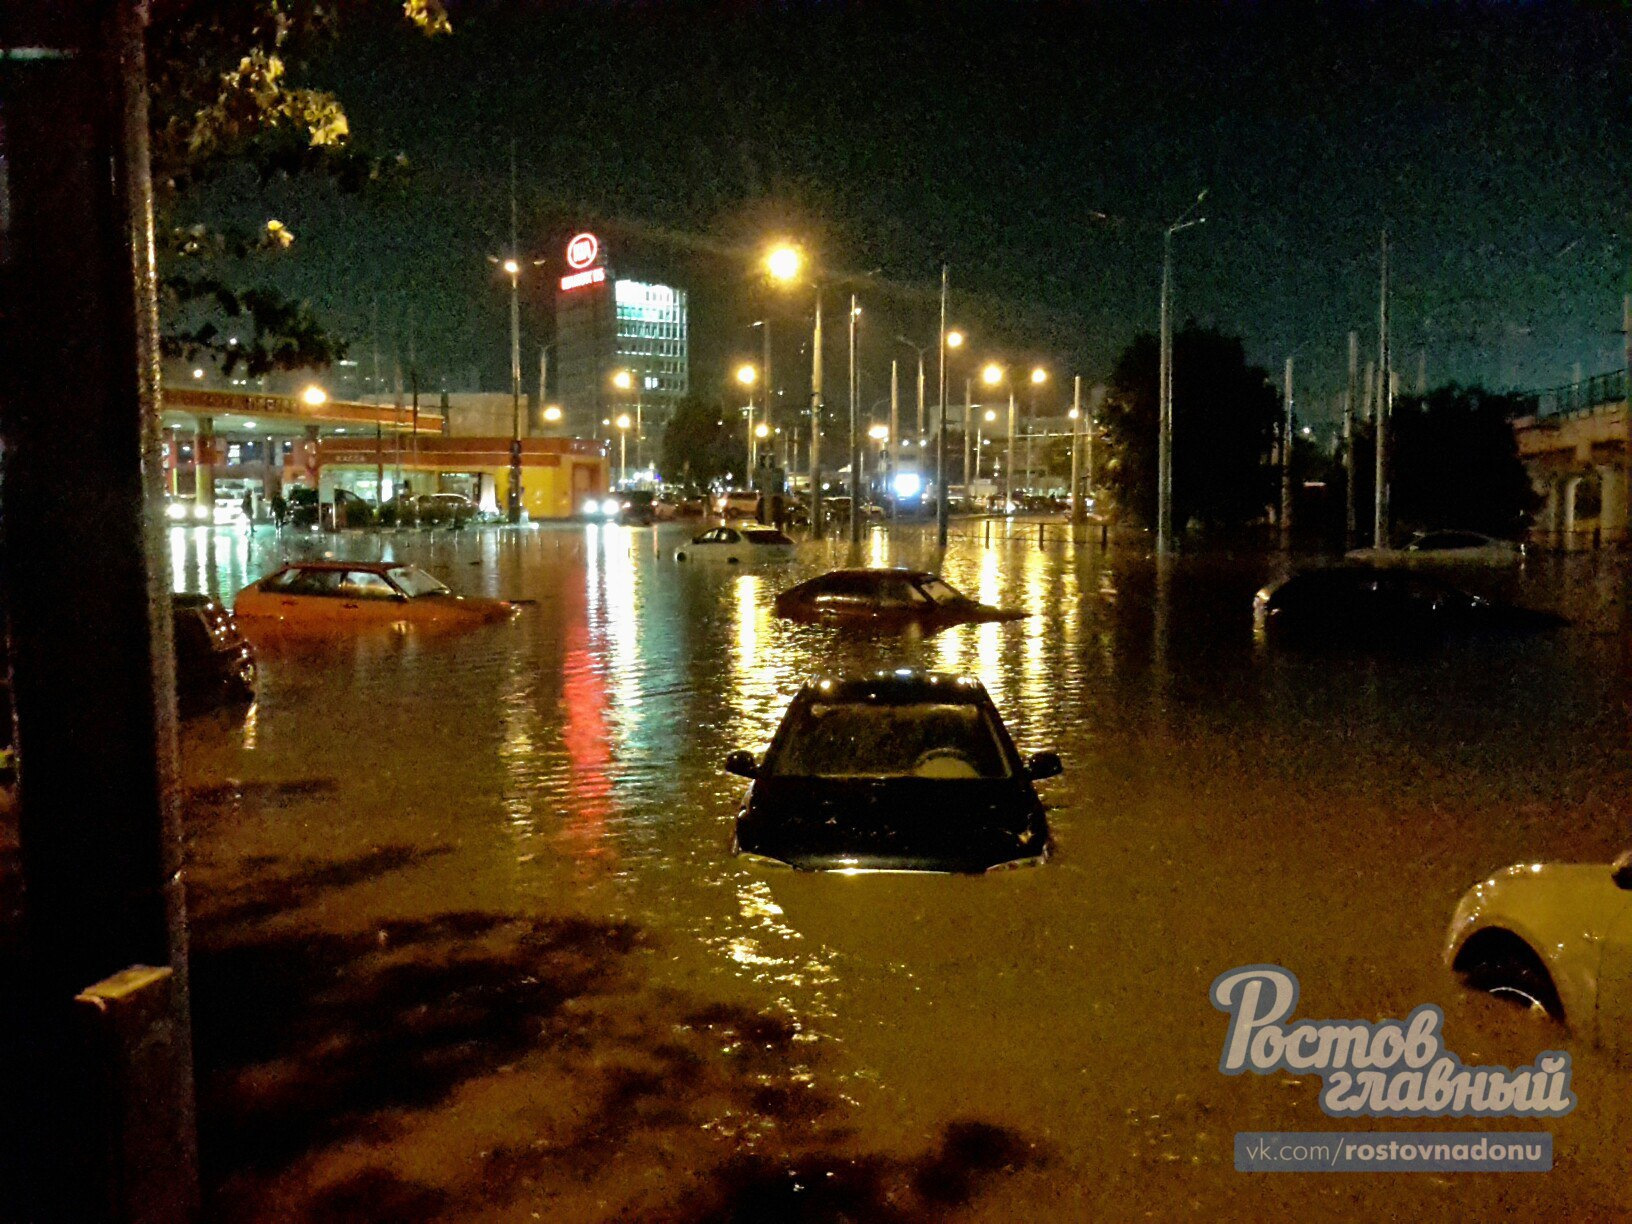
<point x="469" y="943"/>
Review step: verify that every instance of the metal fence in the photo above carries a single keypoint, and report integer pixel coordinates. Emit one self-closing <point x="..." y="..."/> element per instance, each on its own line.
<point x="1577" y="398"/>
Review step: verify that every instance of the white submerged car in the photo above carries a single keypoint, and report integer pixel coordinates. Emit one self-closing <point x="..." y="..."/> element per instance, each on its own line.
<point x="1444" y="548"/>
<point x="1556" y="937"/>
<point x="737" y="546"/>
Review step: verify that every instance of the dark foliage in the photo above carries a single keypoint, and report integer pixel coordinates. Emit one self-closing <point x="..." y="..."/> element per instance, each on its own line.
<point x="700" y="443"/>
<point x="1225" y="416"/>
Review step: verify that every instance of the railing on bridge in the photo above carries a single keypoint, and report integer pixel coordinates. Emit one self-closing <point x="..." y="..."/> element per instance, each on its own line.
<point x="1577" y="398"/>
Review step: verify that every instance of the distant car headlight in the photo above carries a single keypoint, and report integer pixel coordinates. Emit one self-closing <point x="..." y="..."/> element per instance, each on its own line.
<point x="175" y="512"/>
<point x="203" y="514"/>
<point x="611" y="507"/>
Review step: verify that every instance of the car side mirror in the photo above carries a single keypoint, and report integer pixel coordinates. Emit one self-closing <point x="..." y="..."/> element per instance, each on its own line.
<point x="1044" y="765"/>
<point x="1621" y="870"/>
<point x="741" y="763"/>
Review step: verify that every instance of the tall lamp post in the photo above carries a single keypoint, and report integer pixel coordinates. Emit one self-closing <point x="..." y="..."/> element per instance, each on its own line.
<point x="994" y="375"/>
<point x="785" y="264"/>
<point x="950" y="340"/>
<point x="1164" y="449"/>
<point x="624" y="381"/>
<point x="747" y="376"/>
<point x="1039" y="376"/>
<point x="990" y="416"/>
<point x="512" y="269"/>
<point x="855" y="429"/>
<point x="623" y="423"/>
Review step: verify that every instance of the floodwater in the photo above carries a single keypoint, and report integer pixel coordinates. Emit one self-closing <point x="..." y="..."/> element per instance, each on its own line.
<point x="469" y="942"/>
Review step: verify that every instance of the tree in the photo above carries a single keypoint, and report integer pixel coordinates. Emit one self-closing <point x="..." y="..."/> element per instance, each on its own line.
<point x="1454" y="462"/>
<point x="700" y="443"/>
<point x="1225" y="418"/>
<point x="222" y="99"/>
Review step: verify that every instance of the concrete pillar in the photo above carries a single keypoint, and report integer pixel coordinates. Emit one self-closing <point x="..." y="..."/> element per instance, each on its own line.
<point x="271" y="468"/>
<point x="204" y="464"/>
<point x="1551" y="511"/>
<point x="1571" y="484"/>
<point x="1612" y="482"/>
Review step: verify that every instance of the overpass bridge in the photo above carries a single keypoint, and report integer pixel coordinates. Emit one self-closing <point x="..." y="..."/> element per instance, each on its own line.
<point x="1576" y="445"/>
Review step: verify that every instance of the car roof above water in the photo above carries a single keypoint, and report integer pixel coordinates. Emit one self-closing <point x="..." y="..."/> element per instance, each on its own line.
<point x="903" y="686"/>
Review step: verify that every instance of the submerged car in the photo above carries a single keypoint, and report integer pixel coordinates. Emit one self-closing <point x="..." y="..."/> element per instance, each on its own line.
<point x="342" y="594"/>
<point x="1554" y="937"/>
<point x="215" y="666"/>
<point x="737" y="546"/>
<point x="896" y="771"/>
<point x="884" y="598"/>
<point x="1359" y="605"/>
<point x="1444" y="548"/>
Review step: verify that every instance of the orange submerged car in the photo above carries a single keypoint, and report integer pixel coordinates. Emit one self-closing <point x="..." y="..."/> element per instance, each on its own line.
<point x="338" y="594"/>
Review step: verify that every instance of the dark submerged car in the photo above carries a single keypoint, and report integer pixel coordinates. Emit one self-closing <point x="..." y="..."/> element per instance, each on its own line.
<point x="215" y="666"/>
<point x="1349" y="606"/>
<point x="884" y="598"/>
<point x="897" y="771"/>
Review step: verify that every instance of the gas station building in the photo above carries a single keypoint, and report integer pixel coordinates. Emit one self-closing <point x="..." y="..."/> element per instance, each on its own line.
<point x="218" y="446"/>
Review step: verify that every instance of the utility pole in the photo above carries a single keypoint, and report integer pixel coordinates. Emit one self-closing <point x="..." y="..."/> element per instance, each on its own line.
<point x="919" y="441"/>
<point x="1164" y="449"/>
<point x="95" y="1038"/>
<point x="1077" y="513"/>
<point x="1286" y="463"/>
<point x="942" y="501"/>
<point x="1379" y="526"/>
<point x="895" y="423"/>
<point x="1096" y="400"/>
<point x="855" y="431"/>
<point x="816" y="422"/>
<point x="379" y="432"/>
<point x="513" y="500"/>
<point x="1008" y="460"/>
<point x="968" y="413"/>
<point x="1348" y="440"/>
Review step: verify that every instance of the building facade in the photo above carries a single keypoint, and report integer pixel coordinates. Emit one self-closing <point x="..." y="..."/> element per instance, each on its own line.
<point x="604" y="327"/>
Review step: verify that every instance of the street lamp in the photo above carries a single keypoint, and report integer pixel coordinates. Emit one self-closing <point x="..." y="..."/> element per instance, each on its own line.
<point x="989" y="418"/>
<point x="881" y="435"/>
<point x="1039" y="376"/>
<point x="1164" y="450"/>
<point x="512" y="268"/>
<point x="993" y="375"/>
<point x="315" y="396"/>
<point x="624" y="381"/>
<point x="623" y="453"/>
<point x="785" y="264"/>
<point x="747" y="376"/>
<point x="552" y="414"/>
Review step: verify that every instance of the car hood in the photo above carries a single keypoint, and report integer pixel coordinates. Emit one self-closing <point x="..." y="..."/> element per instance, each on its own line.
<point x="894" y="824"/>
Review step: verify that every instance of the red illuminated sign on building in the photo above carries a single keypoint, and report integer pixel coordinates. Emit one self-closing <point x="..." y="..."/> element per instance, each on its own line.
<point x="592" y="276"/>
<point x="582" y="251"/>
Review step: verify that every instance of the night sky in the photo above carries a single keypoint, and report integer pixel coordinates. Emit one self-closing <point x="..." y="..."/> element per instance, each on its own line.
<point x="1491" y="141"/>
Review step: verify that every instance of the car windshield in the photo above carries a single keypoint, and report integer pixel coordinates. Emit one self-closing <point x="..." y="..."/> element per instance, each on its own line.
<point x="766" y="537"/>
<point x="863" y="740"/>
<point x="416" y="583"/>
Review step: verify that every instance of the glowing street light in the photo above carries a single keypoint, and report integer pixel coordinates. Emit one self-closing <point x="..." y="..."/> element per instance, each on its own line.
<point x="623" y="380"/>
<point x="315" y="396"/>
<point x="992" y="374"/>
<point x="785" y="262"/>
<point x="954" y="339"/>
<point x="762" y="430"/>
<point x="552" y="414"/>
<point x="747" y="375"/>
<point x="1039" y="376"/>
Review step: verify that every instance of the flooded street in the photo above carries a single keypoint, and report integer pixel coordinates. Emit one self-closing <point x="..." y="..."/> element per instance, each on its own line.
<point x="470" y="944"/>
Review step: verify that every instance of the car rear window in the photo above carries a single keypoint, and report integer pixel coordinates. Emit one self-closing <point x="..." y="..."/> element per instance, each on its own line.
<point x="864" y="740"/>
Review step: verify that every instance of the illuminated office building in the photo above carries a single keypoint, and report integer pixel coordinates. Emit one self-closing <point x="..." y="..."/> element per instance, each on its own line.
<point x="604" y="325"/>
